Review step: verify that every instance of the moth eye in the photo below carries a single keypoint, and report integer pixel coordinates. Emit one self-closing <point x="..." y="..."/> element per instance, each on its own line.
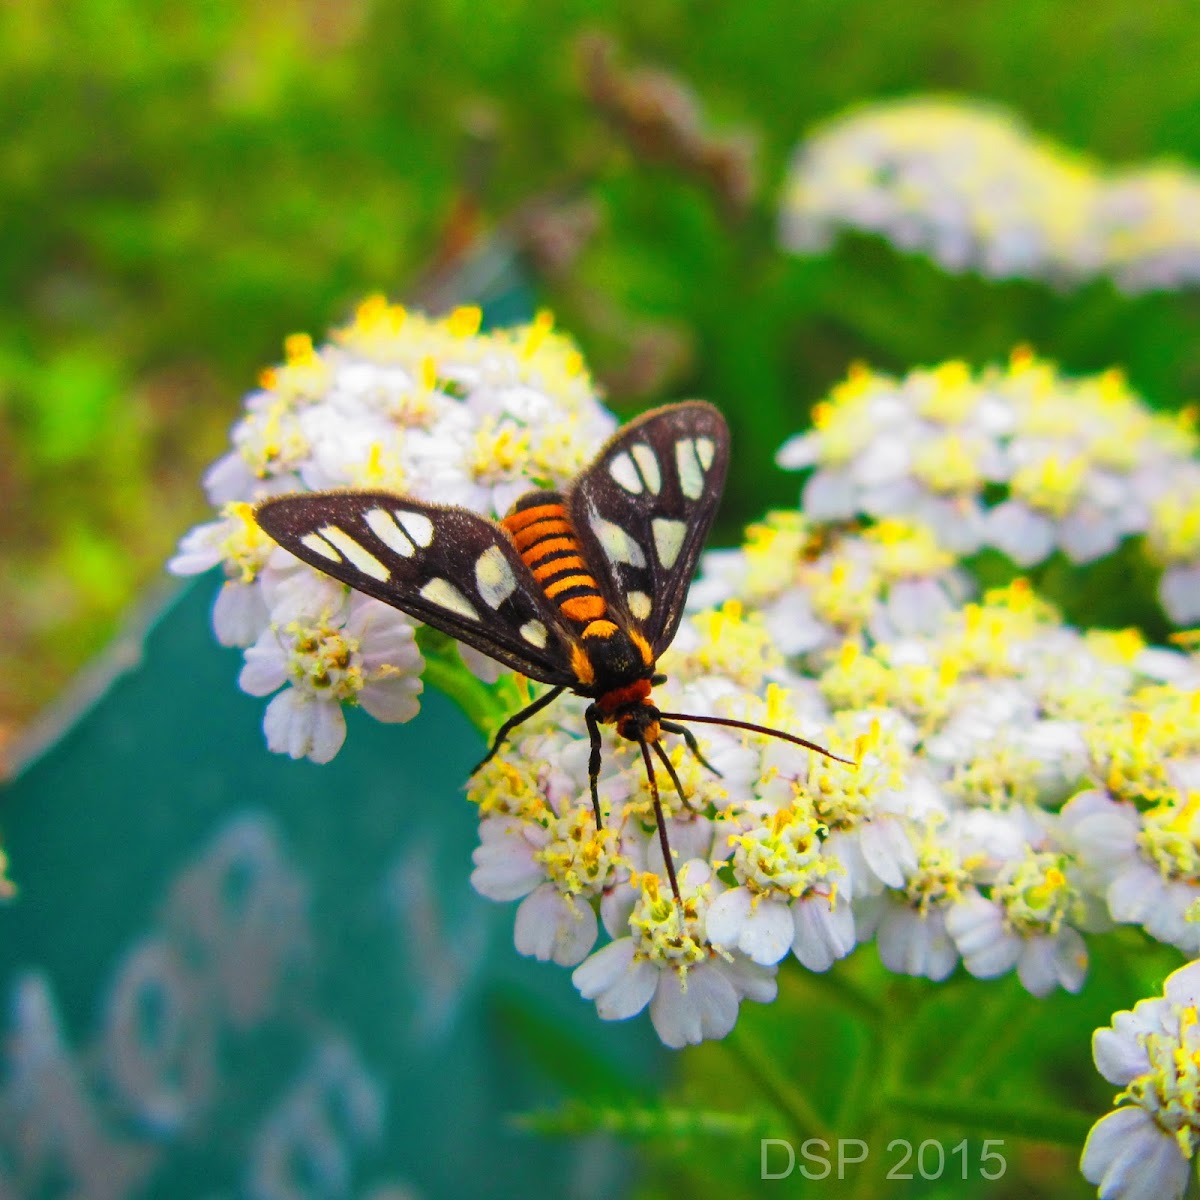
<point x="445" y="595"/>
<point x="358" y="556"/>
<point x="668" y="539"/>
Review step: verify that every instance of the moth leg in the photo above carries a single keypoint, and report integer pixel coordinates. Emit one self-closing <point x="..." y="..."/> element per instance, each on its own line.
<point x="670" y="766"/>
<point x="690" y="738"/>
<point x="517" y="719"/>
<point x="661" y="822"/>
<point x="593" y="728"/>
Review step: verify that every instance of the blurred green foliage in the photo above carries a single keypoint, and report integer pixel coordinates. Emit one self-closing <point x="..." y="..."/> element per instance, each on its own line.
<point x="184" y="185"/>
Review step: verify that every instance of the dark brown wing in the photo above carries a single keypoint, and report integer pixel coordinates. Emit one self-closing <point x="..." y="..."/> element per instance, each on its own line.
<point x="644" y="507"/>
<point x="448" y="567"/>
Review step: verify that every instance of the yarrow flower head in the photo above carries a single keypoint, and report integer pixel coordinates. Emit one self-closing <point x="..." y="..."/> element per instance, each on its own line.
<point x="968" y="185"/>
<point x="1083" y="464"/>
<point x="667" y="961"/>
<point x="430" y="407"/>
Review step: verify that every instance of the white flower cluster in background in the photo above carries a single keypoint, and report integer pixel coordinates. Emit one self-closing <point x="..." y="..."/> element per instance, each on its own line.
<point x="435" y="409"/>
<point x="967" y="184"/>
<point x="1019" y="458"/>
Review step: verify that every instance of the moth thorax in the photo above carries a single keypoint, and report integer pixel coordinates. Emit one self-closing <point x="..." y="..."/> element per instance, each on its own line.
<point x="534" y="499"/>
<point x="616" y="701"/>
<point x="618" y="663"/>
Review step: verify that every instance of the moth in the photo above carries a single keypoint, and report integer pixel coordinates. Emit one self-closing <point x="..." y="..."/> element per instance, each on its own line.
<point x="582" y="590"/>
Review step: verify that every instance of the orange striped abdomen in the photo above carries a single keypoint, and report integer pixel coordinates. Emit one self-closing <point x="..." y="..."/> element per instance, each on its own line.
<point x="545" y="539"/>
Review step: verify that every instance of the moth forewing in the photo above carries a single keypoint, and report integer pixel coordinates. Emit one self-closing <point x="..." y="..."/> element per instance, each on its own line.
<point x="448" y="567"/>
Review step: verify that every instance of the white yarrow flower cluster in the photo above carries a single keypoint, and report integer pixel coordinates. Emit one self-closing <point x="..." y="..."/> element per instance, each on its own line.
<point x="942" y="842"/>
<point x="968" y="185"/>
<point x="397" y="401"/>
<point x="1078" y="464"/>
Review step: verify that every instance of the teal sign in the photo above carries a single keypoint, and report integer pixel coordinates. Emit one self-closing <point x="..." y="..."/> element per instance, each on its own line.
<point x="230" y="976"/>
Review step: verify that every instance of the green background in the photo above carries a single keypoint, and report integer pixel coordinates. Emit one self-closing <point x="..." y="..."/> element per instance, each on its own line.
<point x="183" y="185"/>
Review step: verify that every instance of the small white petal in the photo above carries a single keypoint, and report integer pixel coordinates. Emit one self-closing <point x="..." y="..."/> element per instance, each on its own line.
<point x="706" y="1007"/>
<point x="1130" y="1158"/>
<point x="888" y="850"/>
<point x="977" y="927"/>
<point x="239" y="614"/>
<point x="265" y="669"/>
<point x="1134" y="893"/>
<point x="829" y="496"/>
<point x="301" y="727"/>
<point x="1088" y="534"/>
<point x="1120" y="1059"/>
<point x="551" y="929"/>
<point x="1025" y="536"/>
<point x="621" y="986"/>
<point x="751" y="980"/>
<point x="1179" y="593"/>
<point x="392" y="699"/>
<point x="800" y="451"/>
<point x="823" y="932"/>
<point x="1183" y="986"/>
<point x="505" y="867"/>
<point x="910" y="944"/>
<point x="763" y="932"/>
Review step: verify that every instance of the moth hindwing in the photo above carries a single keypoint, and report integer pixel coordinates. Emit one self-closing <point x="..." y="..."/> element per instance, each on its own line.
<point x="643" y="509"/>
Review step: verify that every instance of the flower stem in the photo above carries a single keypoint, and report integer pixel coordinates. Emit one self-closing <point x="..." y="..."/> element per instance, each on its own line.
<point x="837" y="985"/>
<point x="1057" y="1126"/>
<point x="775" y="1087"/>
<point x="485" y="705"/>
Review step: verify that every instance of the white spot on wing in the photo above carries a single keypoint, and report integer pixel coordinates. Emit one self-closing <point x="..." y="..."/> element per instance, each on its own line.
<point x="356" y="555"/>
<point x="616" y="543"/>
<point x="494" y="577"/>
<point x="318" y="545"/>
<point x="647" y="463"/>
<point x="705" y="449"/>
<point x="668" y="539"/>
<point x="639" y="605"/>
<point x="691" y="473"/>
<point x="388" y="532"/>
<point x="621" y="468"/>
<point x="534" y="632"/>
<point x="445" y="595"/>
<point x="417" y="525"/>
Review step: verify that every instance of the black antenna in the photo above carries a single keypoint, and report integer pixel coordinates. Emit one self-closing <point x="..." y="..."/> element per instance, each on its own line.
<point x="763" y="729"/>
